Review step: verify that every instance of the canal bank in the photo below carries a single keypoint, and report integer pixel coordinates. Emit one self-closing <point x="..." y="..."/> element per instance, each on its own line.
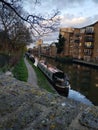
<point x="83" y="79"/>
<point x="86" y="63"/>
<point x="69" y="59"/>
<point x="24" y="107"/>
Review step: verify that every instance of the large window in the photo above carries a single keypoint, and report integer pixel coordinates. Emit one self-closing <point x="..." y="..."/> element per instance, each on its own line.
<point x="89" y="30"/>
<point x="89" y="45"/>
<point x="88" y="52"/>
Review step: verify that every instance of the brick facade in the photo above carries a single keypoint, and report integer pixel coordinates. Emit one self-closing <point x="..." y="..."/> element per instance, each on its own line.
<point x="81" y="43"/>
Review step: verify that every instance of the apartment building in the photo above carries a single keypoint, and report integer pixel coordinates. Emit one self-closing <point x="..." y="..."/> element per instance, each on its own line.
<point x="81" y="43"/>
<point x="73" y="46"/>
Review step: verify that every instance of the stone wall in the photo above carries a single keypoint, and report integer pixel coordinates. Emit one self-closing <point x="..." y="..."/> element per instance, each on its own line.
<point x="24" y="107"/>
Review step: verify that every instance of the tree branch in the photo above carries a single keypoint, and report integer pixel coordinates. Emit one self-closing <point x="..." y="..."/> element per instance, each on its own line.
<point x="36" y="22"/>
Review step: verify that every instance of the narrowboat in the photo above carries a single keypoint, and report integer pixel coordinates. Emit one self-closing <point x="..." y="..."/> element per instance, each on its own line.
<point x="30" y="56"/>
<point x="56" y="76"/>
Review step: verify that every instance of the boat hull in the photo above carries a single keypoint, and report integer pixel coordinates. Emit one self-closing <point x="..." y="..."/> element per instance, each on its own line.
<point x="50" y="76"/>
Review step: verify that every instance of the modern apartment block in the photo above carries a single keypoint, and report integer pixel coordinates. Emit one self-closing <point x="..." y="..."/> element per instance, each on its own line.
<point x="81" y="43"/>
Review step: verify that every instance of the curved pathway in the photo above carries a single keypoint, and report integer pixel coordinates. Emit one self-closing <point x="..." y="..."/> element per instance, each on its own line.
<point x="32" y="78"/>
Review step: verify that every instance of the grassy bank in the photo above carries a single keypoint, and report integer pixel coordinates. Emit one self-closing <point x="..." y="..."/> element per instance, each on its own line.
<point x="42" y="80"/>
<point x="20" y="70"/>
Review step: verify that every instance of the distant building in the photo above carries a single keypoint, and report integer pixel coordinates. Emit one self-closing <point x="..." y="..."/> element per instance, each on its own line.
<point x="39" y="42"/>
<point x="53" y="50"/>
<point x="45" y="49"/>
<point x="80" y="43"/>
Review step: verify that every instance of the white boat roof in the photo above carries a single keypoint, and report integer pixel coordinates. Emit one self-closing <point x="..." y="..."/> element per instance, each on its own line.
<point x="51" y="68"/>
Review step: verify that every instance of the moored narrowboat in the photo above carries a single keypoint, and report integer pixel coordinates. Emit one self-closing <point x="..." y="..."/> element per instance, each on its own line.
<point x="56" y="76"/>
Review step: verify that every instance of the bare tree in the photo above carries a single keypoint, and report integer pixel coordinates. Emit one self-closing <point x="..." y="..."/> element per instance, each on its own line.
<point x="16" y="34"/>
<point x="20" y="36"/>
<point x="40" y="25"/>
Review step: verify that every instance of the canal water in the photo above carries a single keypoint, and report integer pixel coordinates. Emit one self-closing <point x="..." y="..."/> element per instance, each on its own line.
<point x="83" y="80"/>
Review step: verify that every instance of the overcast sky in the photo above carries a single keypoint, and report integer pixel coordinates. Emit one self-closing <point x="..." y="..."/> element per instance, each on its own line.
<point x="73" y="13"/>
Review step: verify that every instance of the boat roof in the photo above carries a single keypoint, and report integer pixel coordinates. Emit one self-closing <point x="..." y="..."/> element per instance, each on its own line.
<point x="51" y="68"/>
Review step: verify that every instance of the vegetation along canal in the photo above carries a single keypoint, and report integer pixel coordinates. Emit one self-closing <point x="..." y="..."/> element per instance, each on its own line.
<point x="84" y="81"/>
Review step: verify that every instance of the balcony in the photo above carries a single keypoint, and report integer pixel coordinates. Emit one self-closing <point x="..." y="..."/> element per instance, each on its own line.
<point x="89" y="39"/>
<point x="77" y="40"/>
<point x="89" y="30"/>
<point x="77" y="35"/>
<point x="89" y="45"/>
<point x="87" y="52"/>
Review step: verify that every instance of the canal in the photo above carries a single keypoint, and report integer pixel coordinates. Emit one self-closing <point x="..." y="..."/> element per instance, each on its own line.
<point x="83" y="80"/>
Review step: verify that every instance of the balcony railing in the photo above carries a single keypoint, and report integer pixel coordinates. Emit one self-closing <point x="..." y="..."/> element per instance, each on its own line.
<point x="90" y="47"/>
<point x="77" y="40"/>
<point x="89" y="30"/>
<point x="87" y="53"/>
<point x="77" y="35"/>
<point x="89" y="39"/>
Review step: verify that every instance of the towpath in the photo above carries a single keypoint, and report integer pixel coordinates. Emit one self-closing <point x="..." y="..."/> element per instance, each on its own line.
<point x="32" y="78"/>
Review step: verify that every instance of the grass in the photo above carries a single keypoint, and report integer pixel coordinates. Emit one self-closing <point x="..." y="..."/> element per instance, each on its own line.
<point x="42" y="80"/>
<point x="20" y="70"/>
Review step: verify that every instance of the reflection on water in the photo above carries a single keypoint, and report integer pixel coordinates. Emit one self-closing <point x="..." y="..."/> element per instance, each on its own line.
<point x="79" y="97"/>
<point x="83" y="80"/>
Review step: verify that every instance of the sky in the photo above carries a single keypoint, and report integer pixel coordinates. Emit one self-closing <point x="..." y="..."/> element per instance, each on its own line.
<point x="73" y="13"/>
